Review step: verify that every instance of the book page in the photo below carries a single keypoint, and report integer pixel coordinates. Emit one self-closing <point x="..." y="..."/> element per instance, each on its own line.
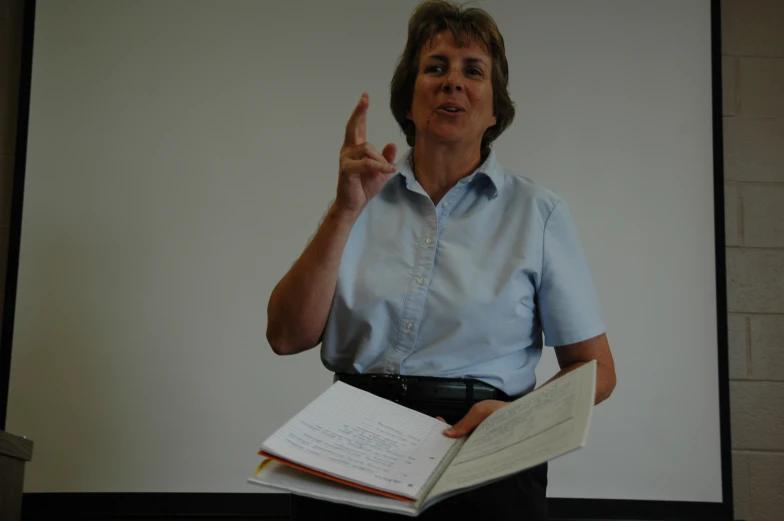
<point x="538" y="427"/>
<point x="283" y="478"/>
<point x="354" y="435"/>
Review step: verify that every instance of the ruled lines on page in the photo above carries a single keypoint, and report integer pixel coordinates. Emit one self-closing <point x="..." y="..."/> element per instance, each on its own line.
<point x="543" y="425"/>
<point x="354" y="435"/>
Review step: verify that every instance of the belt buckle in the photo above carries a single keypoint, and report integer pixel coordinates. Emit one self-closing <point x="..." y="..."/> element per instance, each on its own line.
<point x="390" y="382"/>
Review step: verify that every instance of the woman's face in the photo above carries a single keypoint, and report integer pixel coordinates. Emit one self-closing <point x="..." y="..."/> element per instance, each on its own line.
<point x="453" y="93"/>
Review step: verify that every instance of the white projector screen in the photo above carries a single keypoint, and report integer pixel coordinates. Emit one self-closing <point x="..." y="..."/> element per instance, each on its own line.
<point x="181" y="153"/>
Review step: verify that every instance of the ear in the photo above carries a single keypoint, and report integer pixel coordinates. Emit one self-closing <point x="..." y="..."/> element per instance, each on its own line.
<point x="408" y="114"/>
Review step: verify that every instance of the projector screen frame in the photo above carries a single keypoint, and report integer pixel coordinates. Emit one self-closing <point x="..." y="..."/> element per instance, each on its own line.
<point x="104" y="505"/>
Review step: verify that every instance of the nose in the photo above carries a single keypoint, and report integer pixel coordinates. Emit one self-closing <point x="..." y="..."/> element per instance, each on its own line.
<point x="452" y="81"/>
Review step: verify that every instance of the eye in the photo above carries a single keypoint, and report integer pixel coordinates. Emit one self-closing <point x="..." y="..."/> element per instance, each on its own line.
<point x="473" y="71"/>
<point x="433" y="68"/>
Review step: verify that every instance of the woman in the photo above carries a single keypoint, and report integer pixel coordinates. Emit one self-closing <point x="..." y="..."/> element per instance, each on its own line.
<point x="445" y="268"/>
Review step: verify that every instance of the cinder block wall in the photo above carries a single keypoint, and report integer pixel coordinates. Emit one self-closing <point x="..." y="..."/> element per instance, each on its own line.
<point x="753" y="64"/>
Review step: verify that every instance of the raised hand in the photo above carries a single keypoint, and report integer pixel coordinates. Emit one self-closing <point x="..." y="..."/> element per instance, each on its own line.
<point x="363" y="170"/>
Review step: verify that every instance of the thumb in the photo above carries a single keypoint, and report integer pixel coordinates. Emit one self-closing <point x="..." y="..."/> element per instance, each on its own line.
<point x="389" y="153"/>
<point x="474" y="417"/>
<point x="469" y="422"/>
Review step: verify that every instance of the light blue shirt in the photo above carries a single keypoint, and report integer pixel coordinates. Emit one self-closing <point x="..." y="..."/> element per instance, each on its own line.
<point x="465" y="289"/>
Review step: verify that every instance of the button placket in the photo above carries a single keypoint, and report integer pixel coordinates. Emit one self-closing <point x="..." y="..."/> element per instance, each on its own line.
<point x="448" y="204"/>
<point x="411" y="315"/>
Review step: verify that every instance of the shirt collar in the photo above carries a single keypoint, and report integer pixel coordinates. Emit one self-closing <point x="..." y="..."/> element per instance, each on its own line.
<point x="490" y="169"/>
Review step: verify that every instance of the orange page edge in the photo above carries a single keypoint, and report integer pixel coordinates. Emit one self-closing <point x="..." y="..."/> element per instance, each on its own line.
<point x="333" y="478"/>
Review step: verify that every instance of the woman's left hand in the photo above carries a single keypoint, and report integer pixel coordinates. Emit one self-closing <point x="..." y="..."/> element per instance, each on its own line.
<point x="475" y="416"/>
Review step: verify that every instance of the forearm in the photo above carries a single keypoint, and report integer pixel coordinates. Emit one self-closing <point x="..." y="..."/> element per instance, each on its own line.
<point x="605" y="379"/>
<point x="299" y="305"/>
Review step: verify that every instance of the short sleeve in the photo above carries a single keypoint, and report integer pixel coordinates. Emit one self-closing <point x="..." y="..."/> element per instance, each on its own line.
<point x="569" y="307"/>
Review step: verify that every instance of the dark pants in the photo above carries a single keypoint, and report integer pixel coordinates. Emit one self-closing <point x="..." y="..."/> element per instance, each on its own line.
<point x="519" y="497"/>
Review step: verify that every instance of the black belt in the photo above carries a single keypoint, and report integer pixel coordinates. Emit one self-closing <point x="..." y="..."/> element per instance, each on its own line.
<point x="422" y="388"/>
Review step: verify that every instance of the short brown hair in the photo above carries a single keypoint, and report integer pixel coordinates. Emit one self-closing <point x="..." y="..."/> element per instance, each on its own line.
<point x="472" y="24"/>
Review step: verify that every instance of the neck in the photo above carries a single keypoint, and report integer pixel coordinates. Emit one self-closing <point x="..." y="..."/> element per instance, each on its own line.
<point x="439" y="168"/>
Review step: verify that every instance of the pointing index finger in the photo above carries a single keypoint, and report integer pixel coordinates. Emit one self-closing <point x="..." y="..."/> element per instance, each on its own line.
<point x="356" y="129"/>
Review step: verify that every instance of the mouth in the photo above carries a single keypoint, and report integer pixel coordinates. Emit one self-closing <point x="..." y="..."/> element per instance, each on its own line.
<point x="451" y="108"/>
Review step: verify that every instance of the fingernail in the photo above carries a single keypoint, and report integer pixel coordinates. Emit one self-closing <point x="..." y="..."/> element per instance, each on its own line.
<point x="450" y="430"/>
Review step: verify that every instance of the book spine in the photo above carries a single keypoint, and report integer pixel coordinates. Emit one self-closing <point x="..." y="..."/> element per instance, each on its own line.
<point x="432" y="479"/>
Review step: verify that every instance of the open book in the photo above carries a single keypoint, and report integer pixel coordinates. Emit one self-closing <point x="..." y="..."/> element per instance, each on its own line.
<point x="352" y="447"/>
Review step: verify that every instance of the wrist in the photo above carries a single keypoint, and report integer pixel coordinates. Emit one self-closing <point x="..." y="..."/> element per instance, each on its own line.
<point x="343" y="215"/>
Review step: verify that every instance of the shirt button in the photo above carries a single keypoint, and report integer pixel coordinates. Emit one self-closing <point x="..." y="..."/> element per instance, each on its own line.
<point x="428" y="240"/>
<point x="445" y="204"/>
<point x="420" y="281"/>
<point x="409" y="325"/>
